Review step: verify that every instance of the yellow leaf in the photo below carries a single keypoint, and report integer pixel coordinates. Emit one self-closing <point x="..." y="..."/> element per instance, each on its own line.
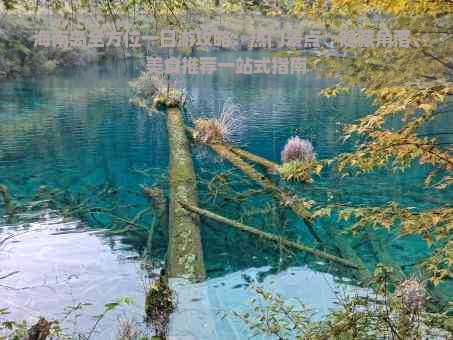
<point x="428" y="107"/>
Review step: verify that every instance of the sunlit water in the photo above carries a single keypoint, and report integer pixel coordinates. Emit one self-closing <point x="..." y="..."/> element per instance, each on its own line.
<point x="77" y="131"/>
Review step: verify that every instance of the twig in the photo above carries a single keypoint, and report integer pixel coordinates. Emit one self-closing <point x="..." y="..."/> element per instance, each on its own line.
<point x="8" y="275"/>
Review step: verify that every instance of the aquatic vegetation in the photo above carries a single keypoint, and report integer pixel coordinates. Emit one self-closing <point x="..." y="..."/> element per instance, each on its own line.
<point x="207" y="130"/>
<point x="40" y="330"/>
<point x="220" y="129"/>
<point x="296" y="170"/>
<point x="297" y="149"/>
<point x="157" y="91"/>
<point x="159" y="304"/>
<point x="298" y="158"/>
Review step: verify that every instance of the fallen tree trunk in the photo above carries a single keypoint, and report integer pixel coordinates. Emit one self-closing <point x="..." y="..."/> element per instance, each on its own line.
<point x="269" y="165"/>
<point x="185" y="253"/>
<point x="297" y="206"/>
<point x="270" y="237"/>
<point x="341" y="243"/>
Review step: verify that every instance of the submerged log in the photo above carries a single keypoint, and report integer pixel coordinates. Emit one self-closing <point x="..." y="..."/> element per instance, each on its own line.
<point x="158" y="203"/>
<point x="296" y="205"/>
<point x="7" y="200"/>
<point x="271" y="237"/>
<point x="383" y="256"/>
<point x="339" y="242"/>
<point x="345" y="249"/>
<point x="185" y="254"/>
<point x="269" y="165"/>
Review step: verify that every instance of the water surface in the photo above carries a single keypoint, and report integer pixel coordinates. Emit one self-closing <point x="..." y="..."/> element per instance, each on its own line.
<point x="78" y="132"/>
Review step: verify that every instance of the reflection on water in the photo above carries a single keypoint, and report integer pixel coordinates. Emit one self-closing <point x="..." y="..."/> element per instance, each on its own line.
<point x="233" y="292"/>
<point x="77" y="131"/>
<point x="55" y="263"/>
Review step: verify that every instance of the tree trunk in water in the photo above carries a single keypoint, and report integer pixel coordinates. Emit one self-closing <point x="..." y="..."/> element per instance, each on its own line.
<point x="269" y="165"/>
<point x="297" y="206"/>
<point x="185" y="253"/>
<point x="383" y="255"/>
<point x="265" y="183"/>
<point x="271" y="237"/>
<point x="10" y="206"/>
<point x="159" y="204"/>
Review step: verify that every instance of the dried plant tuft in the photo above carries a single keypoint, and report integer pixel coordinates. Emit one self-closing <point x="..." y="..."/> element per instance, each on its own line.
<point x="220" y="129"/>
<point x="157" y="90"/>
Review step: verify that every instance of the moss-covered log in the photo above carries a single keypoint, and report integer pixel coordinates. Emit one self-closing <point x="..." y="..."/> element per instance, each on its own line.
<point x="297" y="206"/>
<point x="185" y="254"/>
<point x="269" y="165"/>
<point x="271" y="237"/>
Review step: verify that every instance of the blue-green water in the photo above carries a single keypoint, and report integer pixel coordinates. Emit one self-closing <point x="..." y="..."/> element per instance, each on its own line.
<point x="77" y="131"/>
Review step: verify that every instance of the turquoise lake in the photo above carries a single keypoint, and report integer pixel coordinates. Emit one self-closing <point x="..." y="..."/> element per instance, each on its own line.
<point x="78" y="132"/>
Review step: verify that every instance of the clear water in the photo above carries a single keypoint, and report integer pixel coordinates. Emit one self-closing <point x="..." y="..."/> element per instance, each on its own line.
<point x="77" y="131"/>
